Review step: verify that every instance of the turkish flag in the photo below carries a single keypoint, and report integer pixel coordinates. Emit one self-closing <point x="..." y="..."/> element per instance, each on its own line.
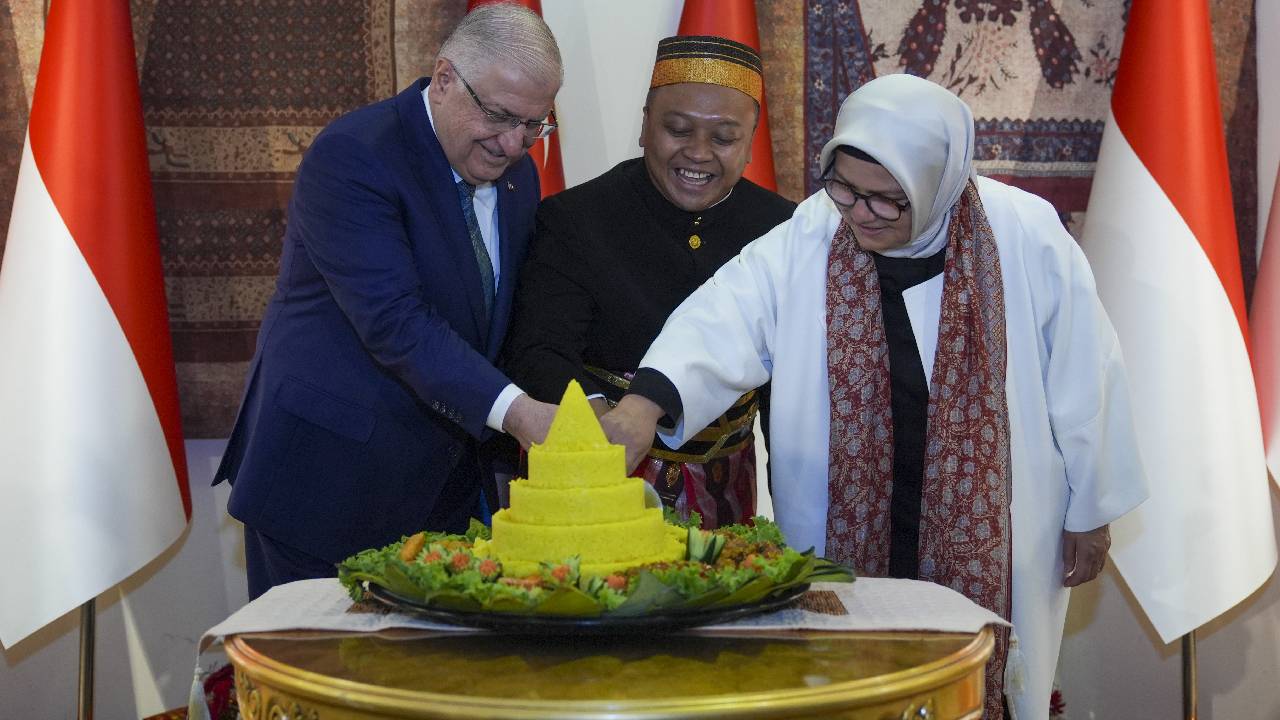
<point x="1265" y="324"/>
<point x="545" y="152"/>
<point x="736" y="20"/>
<point x="1161" y="238"/>
<point x="1264" y="315"/>
<point x="93" y="478"/>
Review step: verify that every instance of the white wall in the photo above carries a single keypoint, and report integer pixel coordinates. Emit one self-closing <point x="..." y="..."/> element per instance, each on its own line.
<point x="1267" y="18"/>
<point x="608" y="51"/>
<point x="147" y="627"/>
<point x="1113" y="664"/>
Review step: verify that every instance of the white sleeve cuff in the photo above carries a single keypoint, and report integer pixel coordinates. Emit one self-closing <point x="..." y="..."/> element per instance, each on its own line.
<point x="498" y="412"/>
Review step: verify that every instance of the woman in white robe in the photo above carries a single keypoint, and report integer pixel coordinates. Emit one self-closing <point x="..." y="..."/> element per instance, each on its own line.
<point x="1070" y="453"/>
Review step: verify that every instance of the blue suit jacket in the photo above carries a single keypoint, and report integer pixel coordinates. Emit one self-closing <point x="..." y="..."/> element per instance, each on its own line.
<point x="373" y="375"/>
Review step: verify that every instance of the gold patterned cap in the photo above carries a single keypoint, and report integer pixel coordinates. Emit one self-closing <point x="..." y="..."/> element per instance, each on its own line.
<point x="708" y="59"/>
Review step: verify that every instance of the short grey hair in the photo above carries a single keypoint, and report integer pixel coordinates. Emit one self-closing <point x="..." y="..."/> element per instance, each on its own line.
<point x="504" y="32"/>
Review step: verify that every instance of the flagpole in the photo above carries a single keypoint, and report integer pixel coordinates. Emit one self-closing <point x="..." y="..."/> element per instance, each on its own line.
<point x="84" y="711"/>
<point x="1190" y="698"/>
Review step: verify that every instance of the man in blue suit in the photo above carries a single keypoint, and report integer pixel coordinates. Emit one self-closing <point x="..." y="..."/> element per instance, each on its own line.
<point x="373" y="384"/>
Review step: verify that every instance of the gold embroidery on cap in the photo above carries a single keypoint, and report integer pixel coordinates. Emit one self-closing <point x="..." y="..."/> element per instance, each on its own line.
<point x="708" y="70"/>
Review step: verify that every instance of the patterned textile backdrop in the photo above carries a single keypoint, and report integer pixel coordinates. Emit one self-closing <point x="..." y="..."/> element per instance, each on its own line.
<point x="1037" y="73"/>
<point x="233" y="94"/>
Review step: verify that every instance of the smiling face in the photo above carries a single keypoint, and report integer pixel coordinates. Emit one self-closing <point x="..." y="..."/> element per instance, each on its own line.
<point x="697" y="141"/>
<point x="868" y="178"/>
<point x="478" y="149"/>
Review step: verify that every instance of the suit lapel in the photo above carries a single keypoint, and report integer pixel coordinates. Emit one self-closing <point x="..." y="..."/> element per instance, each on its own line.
<point x="436" y="177"/>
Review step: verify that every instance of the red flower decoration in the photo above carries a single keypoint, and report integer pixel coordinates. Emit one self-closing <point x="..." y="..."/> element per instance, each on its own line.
<point x="1057" y="706"/>
<point x="220" y="694"/>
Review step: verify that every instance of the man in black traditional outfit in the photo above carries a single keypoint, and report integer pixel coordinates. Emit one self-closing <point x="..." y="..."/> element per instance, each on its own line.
<point x="614" y="256"/>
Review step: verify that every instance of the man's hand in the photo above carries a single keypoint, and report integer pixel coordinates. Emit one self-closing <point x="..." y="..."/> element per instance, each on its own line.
<point x="1084" y="554"/>
<point x="528" y="420"/>
<point x="632" y="424"/>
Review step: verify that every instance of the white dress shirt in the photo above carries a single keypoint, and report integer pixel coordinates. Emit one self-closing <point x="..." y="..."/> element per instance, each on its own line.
<point x="486" y="207"/>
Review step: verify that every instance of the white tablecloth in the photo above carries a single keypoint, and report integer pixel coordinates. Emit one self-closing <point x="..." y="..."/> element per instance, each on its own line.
<point x="870" y="604"/>
<point x="867" y="604"/>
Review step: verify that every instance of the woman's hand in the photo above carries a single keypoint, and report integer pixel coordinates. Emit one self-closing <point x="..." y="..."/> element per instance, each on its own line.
<point x="1084" y="554"/>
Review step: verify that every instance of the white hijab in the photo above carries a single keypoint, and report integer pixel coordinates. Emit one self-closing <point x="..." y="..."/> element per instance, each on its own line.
<point x="923" y="135"/>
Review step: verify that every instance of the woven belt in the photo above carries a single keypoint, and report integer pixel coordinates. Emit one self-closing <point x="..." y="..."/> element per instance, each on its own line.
<point x="726" y="435"/>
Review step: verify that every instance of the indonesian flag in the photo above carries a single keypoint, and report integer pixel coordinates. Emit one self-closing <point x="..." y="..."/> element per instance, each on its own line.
<point x="93" y="480"/>
<point x="1161" y="238"/>
<point x="545" y="152"/>
<point x="736" y="20"/>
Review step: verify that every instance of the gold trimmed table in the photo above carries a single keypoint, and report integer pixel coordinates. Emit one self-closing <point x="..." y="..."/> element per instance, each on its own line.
<point x="799" y="674"/>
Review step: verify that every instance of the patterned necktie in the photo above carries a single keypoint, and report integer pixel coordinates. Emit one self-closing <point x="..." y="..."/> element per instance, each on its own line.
<point x="466" y="194"/>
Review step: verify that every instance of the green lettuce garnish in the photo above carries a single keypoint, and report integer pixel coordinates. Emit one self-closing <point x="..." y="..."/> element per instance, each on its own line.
<point x="761" y="530"/>
<point x="477" y="530"/>
<point x="446" y="573"/>
<point x="671" y="517"/>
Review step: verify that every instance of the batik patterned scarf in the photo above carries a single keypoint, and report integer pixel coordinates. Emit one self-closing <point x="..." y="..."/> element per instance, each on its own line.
<point x="965" y="532"/>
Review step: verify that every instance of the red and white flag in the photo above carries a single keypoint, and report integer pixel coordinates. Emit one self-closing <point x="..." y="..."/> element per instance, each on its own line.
<point x="736" y="20"/>
<point x="1264" y="315"/>
<point x="545" y="153"/>
<point x="93" y="480"/>
<point x="1161" y="238"/>
<point x="1264" y="322"/>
